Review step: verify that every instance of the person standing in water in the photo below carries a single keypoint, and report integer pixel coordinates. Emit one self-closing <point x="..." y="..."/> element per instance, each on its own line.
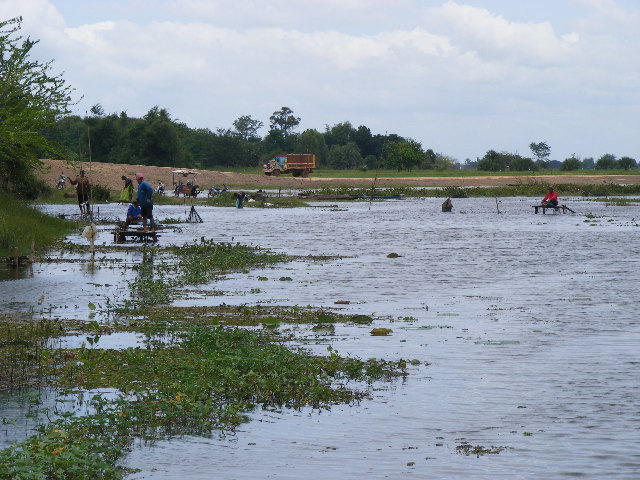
<point x="145" y="192"/>
<point x="83" y="189"/>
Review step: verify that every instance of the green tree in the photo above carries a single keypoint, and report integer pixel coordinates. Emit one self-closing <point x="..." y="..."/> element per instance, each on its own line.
<point x="159" y="142"/>
<point x="404" y="155"/>
<point x="430" y="159"/>
<point x="627" y="163"/>
<point x="345" y="156"/>
<point x="606" y="162"/>
<point x="247" y="127"/>
<point x="446" y="162"/>
<point x="365" y="141"/>
<point x="571" y="163"/>
<point x="284" y="121"/>
<point x="492" y="162"/>
<point x="517" y="163"/>
<point x="588" y="163"/>
<point x="541" y="151"/>
<point x="339" y="134"/>
<point x="31" y="100"/>
<point x="312" y="141"/>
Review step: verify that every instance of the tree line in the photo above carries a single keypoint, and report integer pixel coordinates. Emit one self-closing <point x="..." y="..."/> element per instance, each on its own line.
<point x="157" y="139"/>
<point x="503" y="161"/>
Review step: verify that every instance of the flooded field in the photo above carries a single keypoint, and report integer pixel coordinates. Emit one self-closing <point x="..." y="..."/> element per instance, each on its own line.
<point x="522" y="327"/>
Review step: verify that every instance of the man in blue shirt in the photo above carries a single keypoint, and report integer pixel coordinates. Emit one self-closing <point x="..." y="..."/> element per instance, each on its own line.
<point x="134" y="213"/>
<point x="145" y="192"/>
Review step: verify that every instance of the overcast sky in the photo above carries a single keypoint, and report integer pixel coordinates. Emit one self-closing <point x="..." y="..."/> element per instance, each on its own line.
<point x="461" y="77"/>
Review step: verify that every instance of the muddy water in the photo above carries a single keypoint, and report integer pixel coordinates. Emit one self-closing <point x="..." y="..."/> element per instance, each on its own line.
<point x="527" y="323"/>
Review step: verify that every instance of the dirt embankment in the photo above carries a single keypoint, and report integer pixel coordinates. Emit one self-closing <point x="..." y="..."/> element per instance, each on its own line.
<point x="110" y="176"/>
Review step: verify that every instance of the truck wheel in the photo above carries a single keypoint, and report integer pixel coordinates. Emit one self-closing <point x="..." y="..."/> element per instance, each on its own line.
<point x="276" y="173"/>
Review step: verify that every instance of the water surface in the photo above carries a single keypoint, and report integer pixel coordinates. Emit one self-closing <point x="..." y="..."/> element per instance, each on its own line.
<point x="524" y="326"/>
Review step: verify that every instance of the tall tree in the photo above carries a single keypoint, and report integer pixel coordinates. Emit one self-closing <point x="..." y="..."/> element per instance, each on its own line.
<point x="31" y="100"/>
<point x="541" y="151"/>
<point x="284" y="121"/>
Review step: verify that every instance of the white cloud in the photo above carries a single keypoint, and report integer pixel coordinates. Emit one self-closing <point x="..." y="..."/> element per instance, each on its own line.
<point x="494" y="38"/>
<point x="439" y="75"/>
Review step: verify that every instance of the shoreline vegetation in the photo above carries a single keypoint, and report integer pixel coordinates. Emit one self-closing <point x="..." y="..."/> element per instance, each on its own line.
<point x="22" y="227"/>
<point x="196" y="371"/>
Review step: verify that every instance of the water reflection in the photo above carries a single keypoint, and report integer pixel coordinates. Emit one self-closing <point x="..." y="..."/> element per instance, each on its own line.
<point x="10" y="272"/>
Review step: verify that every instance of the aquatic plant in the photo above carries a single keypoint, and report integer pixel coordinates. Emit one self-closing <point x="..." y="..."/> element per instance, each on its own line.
<point x="196" y="380"/>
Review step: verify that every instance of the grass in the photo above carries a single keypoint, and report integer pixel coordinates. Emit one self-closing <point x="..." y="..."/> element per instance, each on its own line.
<point x="372" y="173"/>
<point x="21" y="224"/>
<point x="530" y="189"/>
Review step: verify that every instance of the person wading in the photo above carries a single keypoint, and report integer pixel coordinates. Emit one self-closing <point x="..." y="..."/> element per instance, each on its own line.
<point x="83" y="189"/>
<point x="145" y="192"/>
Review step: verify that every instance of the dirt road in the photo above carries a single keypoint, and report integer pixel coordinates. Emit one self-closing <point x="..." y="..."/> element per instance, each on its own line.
<point x="109" y="175"/>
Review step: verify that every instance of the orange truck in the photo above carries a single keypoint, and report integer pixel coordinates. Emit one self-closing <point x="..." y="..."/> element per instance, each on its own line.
<point x="298" y="164"/>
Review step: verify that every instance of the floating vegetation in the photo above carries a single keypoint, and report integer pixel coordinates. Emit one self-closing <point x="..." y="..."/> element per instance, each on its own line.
<point x="477" y="450"/>
<point x="381" y="332"/>
<point x="328" y="329"/>
<point x="196" y="378"/>
<point x="393" y="255"/>
<point x="244" y="315"/>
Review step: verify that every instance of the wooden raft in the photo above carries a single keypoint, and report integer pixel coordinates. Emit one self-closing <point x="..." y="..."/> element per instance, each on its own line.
<point x="121" y="236"/>
<point x="544" y="209"/>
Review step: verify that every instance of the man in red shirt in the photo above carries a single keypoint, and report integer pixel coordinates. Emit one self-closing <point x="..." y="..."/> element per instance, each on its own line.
<point x="550" y="199"/>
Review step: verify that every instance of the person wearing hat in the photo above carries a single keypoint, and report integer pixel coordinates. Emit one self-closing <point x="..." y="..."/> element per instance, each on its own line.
<point x="550" y="199"/>
<point x="145" y="192"/>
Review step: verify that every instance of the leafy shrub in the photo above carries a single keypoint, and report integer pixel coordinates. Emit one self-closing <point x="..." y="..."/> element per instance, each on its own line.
<point x="100" y="193"/>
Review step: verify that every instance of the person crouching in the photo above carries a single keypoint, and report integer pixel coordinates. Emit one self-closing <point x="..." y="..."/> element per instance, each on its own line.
<point x="134" y="213"/>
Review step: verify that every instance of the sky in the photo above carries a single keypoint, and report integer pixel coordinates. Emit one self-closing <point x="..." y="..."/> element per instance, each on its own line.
<point x="461" y="77"/>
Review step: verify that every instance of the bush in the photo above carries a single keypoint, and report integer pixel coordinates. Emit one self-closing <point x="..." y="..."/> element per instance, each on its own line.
<point x="100" y="193"/>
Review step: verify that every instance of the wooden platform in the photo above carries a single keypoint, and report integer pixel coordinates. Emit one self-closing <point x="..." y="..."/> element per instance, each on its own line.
<point x="544" y="209"/>
<point x="121" y="236"/>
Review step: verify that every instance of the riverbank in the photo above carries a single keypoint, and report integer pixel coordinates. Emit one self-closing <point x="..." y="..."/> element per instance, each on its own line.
<point x="22" y="227"/>
<point x="110" y="175"/>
